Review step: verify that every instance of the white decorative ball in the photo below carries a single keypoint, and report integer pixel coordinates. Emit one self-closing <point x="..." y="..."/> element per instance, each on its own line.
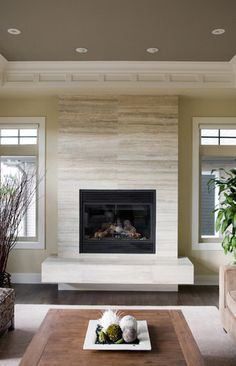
<point x="129" y="335"/>
<point x="128" y="321"/>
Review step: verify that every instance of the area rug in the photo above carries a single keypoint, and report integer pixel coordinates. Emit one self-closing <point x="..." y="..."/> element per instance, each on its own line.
<point x="215" y="345"/>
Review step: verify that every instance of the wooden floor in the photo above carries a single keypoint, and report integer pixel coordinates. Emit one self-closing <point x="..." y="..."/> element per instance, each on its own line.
<point x="48" y="294"/>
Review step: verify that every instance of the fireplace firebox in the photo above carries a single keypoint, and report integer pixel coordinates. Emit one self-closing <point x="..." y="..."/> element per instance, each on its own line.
<point x="117" y="221"/>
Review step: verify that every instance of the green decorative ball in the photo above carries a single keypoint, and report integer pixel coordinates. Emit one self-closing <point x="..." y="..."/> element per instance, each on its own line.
<point x="114" y="332"/>
<point x="102" y="337"/>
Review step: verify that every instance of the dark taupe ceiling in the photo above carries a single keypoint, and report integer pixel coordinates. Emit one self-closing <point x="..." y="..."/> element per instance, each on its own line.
<point x="118" y="30"/>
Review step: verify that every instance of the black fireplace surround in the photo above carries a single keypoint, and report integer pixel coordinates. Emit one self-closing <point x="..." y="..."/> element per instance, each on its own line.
<point x="117" y="221"/>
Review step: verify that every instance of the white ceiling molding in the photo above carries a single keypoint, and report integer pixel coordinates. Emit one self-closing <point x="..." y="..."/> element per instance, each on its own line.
<point x="3" y="66"/>
<point x="80" y="74"/>
<point x="233" y="65"/>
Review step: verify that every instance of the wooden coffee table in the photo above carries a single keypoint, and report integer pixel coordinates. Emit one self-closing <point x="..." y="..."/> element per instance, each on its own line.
<point x="60" y="338"/>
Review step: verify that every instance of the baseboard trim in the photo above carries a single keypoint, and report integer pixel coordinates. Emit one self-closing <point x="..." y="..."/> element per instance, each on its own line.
<point x="116" y="287"/>
<point x="26" y="277"/>
<point x="206" y="280"/>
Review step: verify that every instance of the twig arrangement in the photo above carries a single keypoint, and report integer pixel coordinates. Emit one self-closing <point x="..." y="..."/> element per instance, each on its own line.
<point x="16" y="194"/>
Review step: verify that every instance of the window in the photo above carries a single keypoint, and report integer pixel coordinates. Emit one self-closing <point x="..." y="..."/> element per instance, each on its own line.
<point x="22" y="150"/>
<point x="17" y="166"/>
<point x="218" y="136"/>
<point x="214" y="147"/>
<point x="207" y="205"/>
<point x="18" y="136"/>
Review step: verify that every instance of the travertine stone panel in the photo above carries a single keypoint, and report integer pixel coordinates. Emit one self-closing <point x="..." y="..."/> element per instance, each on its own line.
<point x="118" y="142"/>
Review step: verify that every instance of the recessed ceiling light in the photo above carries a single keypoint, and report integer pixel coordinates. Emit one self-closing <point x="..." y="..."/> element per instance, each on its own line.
<point x="14" y="31"/>
<point x="81" y="50"/>
<point x="152" y="50"/>
<point x="218" y="31"/>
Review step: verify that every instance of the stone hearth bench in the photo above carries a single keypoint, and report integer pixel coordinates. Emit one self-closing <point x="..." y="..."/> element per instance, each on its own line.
<point x="142" y="272"/>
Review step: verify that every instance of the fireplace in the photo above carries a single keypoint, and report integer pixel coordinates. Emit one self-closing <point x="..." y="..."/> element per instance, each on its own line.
<point x="117" y="221"/>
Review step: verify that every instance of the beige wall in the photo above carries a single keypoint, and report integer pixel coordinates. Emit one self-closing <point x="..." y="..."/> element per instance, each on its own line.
<point x="205" y="262"/>
<point x="30" y="260"/>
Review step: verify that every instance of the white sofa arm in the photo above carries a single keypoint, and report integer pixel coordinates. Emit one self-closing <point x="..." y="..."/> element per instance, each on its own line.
<point x="227" y="283"/>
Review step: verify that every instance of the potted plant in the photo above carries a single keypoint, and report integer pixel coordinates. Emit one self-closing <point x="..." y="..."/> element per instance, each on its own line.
<point x="16" y="194"/>
<point x="226" y="209"/>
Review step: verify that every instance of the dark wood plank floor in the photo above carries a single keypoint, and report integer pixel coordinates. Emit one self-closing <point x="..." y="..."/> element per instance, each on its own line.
<point x="48" y="294"/>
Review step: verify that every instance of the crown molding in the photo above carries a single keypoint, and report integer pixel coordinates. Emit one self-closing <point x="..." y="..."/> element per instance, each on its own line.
<point x="232" y="62"/>
<point x="3" y="66"/>
<point x="107" y="74"/>
<point x="3" y="62"/>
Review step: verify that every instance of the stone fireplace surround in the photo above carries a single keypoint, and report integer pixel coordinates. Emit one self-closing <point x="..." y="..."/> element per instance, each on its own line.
<point x="118" y="142"/>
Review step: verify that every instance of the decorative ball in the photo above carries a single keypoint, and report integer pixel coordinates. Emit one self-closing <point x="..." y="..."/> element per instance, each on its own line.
<point x="129" y="334"/>
<point x="102" y="337"/>
<point x="128" y="321"/>
<point x="114" y="332"/>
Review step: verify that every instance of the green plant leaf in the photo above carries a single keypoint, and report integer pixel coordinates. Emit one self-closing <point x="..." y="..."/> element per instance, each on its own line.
<point x="225" y="224"/>
<point x="230" y="200"/>
<point x="225" y="244"/>
<point x="225" y="249"/>
<point x="218" y="220"/>
<point x="233" y="242"/>
<point x="234" y="220"/>
<point x="222" y="188"/>
<point x="229" y="213"/>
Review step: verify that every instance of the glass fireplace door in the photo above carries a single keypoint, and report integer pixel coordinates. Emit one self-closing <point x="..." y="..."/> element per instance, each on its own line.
<point x="117" y="221"/>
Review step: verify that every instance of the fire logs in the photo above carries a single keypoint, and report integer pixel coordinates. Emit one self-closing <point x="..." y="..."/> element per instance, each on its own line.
<point x="117" y="230"/>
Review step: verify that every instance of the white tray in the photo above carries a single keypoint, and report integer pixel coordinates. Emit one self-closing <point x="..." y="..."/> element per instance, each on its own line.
<point x="143" y="336"/>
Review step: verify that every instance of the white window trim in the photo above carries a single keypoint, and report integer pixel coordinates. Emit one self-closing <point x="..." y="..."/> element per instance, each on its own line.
<point x="40" y="121"/>
<point x="207" y="122"/>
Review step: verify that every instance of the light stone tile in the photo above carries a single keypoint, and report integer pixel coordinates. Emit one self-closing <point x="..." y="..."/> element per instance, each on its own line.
<point x="88" y="171"/>
<point x="118" y="142"/>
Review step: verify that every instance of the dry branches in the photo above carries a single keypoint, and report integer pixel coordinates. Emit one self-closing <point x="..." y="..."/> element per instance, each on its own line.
<point x="16" y="194"/>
